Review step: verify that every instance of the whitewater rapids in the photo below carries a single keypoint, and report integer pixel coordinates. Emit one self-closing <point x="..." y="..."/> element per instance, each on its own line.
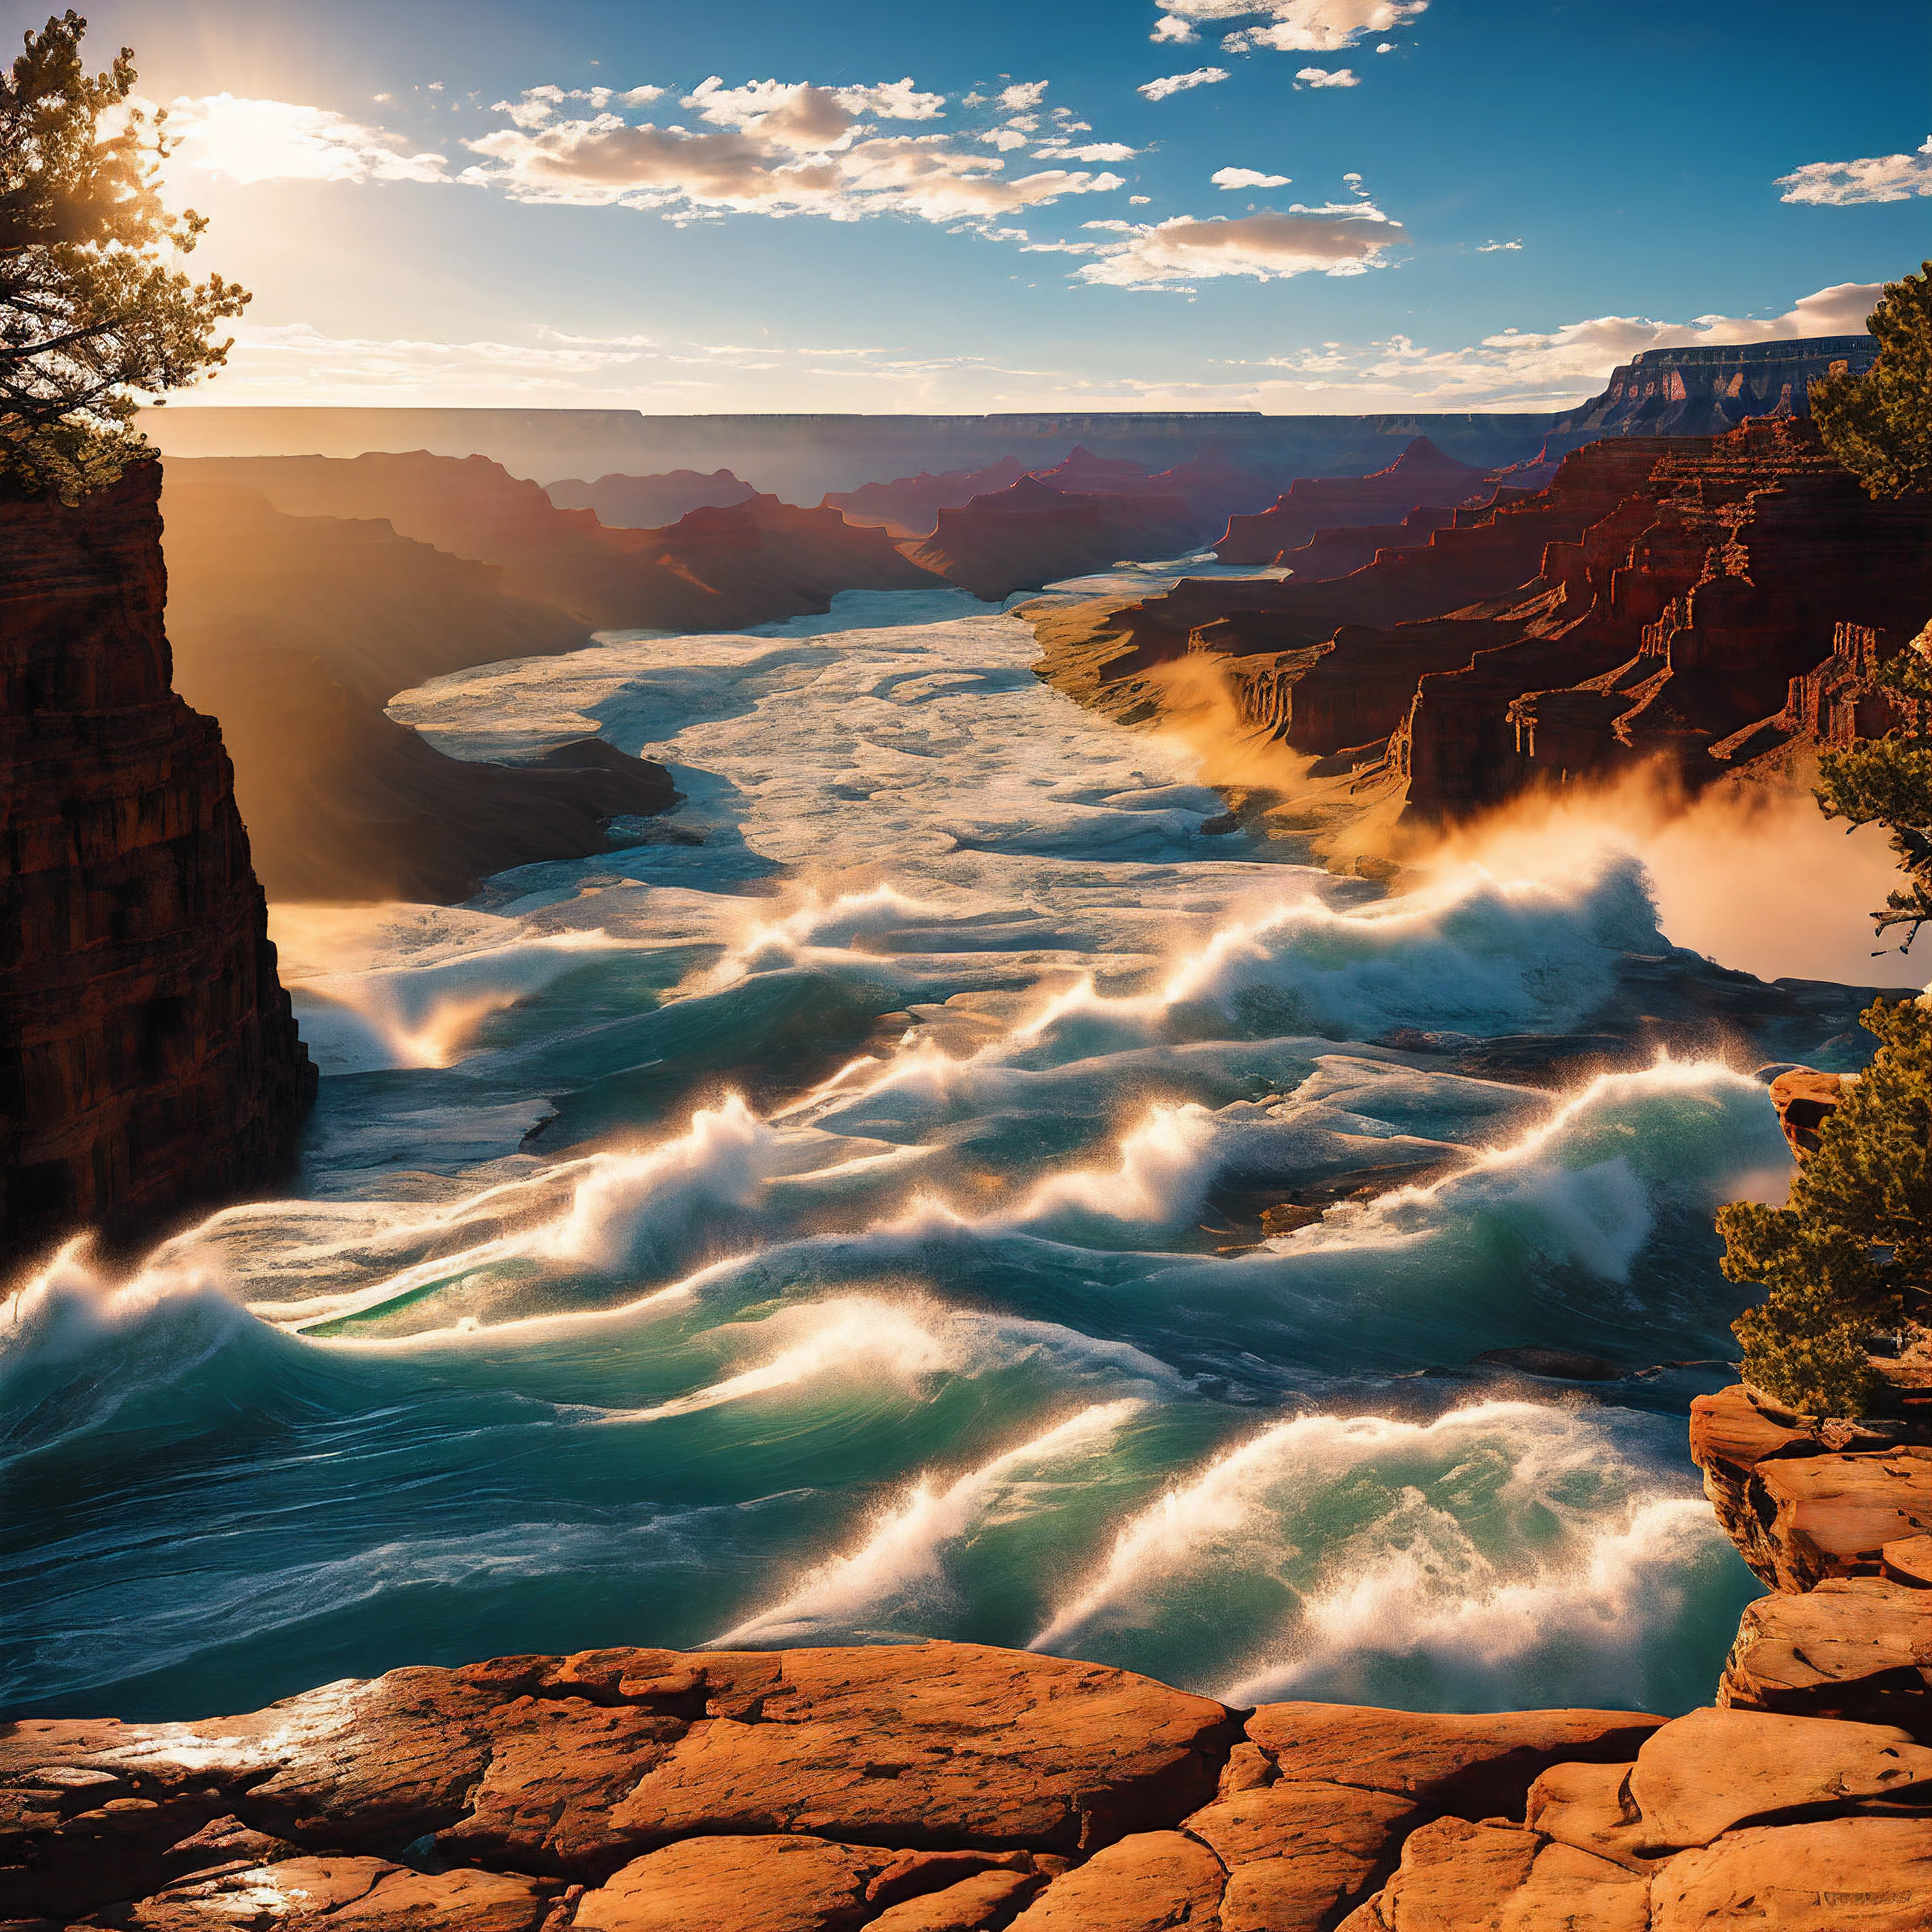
<point x="813" y="1234"/>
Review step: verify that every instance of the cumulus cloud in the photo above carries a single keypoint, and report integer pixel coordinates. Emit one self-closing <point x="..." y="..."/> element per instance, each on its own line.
<point x="1293" y="26"/>
<point x="1337" y="240"/>
<point x="780" y="147"/>
<point x="1491" y="247"/>
<point x="1179" y="83"/>
<point x="1839" y="184"/>
<point x="250" y="140"/>
<point x="1321" y="76"/>
<point x="1170" y="28"/>
<point x="1234" y="177"/>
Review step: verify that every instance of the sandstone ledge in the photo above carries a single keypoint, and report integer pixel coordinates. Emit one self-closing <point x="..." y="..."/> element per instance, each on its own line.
<point x="932" y="1787"/>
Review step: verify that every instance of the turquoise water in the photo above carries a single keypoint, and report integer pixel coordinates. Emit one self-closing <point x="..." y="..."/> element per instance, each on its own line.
<point x="811" y="1234"/>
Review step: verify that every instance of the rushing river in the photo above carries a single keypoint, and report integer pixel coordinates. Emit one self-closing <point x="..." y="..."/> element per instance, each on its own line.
<point x="816" y="1234"/>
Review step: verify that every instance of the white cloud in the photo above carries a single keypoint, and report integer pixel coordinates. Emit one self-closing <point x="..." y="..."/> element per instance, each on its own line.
<point x="1023" y="94"/>
<point x="793" y="150"/>
<point x="1491" y="247"/>
<point x="1342" y="240"/>
<point x="1321" y="76"/>
<point x="1295" y="26"/>
<point x="1234" y="178"/>
<point x="281" y="140"/>
<point x="894" y="101"/>
<point x="1173" y="30"/>
<point x="1518" y="369"/>
<point x="1179" y="83"/>
<point x="1386" y="47"/>
<point x="1004" y="139"/>
<point x="1094" y="151"/>
<point x="640" y="97"/>
<point x="1840" y="184"/>
<point x="1139" y="200"/>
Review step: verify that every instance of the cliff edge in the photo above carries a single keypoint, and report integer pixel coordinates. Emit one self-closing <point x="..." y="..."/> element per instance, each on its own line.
<point x="149" y="1059"/>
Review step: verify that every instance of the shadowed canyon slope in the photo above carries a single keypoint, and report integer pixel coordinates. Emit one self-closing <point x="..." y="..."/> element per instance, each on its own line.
<point x="296" y="631"/>
<point x="151" y="1059"/>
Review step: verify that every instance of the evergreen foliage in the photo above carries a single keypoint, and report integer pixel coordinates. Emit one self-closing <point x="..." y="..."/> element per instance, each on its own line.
<point x="1879" y="425"/>
<point x="1887" y="781"/>
<point x="1849" y="1254"/>
<point x="94" y="318"/>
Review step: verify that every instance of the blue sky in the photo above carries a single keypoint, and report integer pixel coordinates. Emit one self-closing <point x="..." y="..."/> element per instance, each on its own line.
<point x="990" y="205"/>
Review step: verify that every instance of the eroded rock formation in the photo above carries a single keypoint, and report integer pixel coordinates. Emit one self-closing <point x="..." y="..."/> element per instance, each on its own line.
<point x="649" y="502"/>
<point x="1705" y="602"/>
<point x="295" y="632"/>
<point x="714" y="569"/>
<point x="909" y="506"/>
<point x="1421" y="477"/>
<point x="148" y="1059"/>
<point x="933" y="1786"/>
<point x="1030" y="534"/>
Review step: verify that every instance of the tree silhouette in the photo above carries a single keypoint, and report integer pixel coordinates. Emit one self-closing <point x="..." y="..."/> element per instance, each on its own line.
<point x="94" y="317"/>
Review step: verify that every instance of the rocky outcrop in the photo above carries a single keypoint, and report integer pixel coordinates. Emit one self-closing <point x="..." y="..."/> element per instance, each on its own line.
<point x="649" y="502"/>
<point x="148" y="1059"/>
<point x="296" y="631"/>
<point x="932" y="1787"/>
<point x="1030" y="534"/>
<point x="714" y="569"/>
<point x="1421" y="477"/>
<point x="1706" y="390"/>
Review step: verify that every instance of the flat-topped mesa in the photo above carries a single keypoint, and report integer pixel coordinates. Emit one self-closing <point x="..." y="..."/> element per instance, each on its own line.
<point x="1422" y="477"/>
<point x="1707" y="389"/>
<point x="715" y="568"/>
<point x="1030" y="534"/>
<point x="151" y="1062"/>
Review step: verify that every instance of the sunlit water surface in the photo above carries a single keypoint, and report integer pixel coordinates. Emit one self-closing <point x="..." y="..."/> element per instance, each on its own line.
<point x="810" y="1235"/>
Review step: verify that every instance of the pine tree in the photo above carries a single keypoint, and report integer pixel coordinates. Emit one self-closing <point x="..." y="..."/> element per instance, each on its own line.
<point x="1849" y="1254"/>
<point x="94" y="318"/>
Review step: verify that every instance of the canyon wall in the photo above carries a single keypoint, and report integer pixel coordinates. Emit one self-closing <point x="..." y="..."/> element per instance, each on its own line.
<point x="1679" y="599"/>
<point x="149" y="1058"/>
<point x="295" y="632"/>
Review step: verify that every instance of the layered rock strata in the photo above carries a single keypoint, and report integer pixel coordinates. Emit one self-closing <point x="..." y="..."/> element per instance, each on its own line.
<point x="296" y="631"/>
<point x="1694" y="602"/>
<point x="148" y="1059"/>
<point x="1705" y="391"/>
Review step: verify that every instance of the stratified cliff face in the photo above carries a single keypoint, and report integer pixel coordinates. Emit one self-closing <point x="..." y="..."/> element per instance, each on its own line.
<point x="1422" y="477"/>
<point x="1674" y="599"/>
<point x="1031" y="534"/>
<point x="1706" y="390"/>
<point x="715" y="569"/>
<point x="149" y="1059"/>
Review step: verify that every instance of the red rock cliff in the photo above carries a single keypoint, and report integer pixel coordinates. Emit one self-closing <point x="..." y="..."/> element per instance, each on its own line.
<point x="149" y="1059"/>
